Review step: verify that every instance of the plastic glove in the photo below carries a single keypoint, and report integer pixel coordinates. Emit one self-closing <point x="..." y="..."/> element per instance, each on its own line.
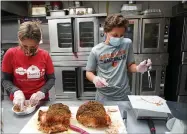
<point x="99" y="82"/>
<point x="143" y="66"/>
<point x="19" y="99"/>
<point x="36" y="97"/>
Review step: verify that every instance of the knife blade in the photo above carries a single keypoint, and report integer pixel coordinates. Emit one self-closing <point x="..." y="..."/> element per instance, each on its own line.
<point x="77" y="129"/>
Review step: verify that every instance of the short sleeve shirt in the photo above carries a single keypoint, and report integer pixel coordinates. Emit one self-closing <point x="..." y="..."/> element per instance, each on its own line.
<point x="110" y="62"/>
<point x="28" y="72"/>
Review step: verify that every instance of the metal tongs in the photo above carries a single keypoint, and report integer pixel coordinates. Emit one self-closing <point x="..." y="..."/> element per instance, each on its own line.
<point x="149" y="76"/>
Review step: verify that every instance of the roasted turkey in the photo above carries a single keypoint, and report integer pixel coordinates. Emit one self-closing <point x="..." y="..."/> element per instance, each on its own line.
<point x="93" y="114"/>
<point x="55" y="119"/>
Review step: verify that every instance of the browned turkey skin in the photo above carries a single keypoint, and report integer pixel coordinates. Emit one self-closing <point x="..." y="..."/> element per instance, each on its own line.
<point x="93" y="114"/>
<point x="55" y="119"/>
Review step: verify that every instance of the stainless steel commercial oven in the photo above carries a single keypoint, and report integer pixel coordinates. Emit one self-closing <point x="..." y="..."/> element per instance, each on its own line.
<point x="73" y="33"/>
<point x="149" y="33"/>
<point x="158" y="73"/>
<point x="154" y="35"/>
<point x="72" y="83"/>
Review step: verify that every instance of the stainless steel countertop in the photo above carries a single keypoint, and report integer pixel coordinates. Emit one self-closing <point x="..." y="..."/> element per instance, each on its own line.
<point x="14" y="124"/>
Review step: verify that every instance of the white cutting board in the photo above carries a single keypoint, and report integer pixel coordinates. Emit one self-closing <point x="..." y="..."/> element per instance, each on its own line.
<point x="117" y="125"/>
<point x="148" y="103"/>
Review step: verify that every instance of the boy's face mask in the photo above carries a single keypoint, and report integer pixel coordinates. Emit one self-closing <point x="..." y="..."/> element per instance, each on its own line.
<point x="115" y="41"/>
<point x="29" y="49"/>
<point x="115" y="37"/>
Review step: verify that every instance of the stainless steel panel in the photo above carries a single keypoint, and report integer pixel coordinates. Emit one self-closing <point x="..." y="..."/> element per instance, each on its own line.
<point x="144" y="16"/>
<point x="70" y="63"/>
<point x="45" y="33"/>
<point x="182" y="85"/>
<point x="87" y="37"/>
<point x="184" y="57"/>
<point x="59" y="87"/>
<point x="54" y="38"/>
<point x="133" y="82"/>
<point x="132" y="32"/>
<point x="101" y="30"/>
<point x="9" y="31"/>
<point x="45" y="36"/>
<point x="66" y="98"/>
<point x="70" y="54"/>
<point x="182" y="99"/>
<point x="69" y="58"/>
<point x="86" y="85"/>
<point x="157" y="39"/>
<point x="156" y="81"/>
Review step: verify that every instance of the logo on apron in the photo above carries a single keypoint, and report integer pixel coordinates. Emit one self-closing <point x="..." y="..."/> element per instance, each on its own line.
<point x="33" y="72"/>
<point x="21" y="71"/>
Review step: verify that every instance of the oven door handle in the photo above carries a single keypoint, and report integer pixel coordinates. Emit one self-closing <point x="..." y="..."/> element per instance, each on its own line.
<point x="78" y="81"/>
<point x="74" y="27"/>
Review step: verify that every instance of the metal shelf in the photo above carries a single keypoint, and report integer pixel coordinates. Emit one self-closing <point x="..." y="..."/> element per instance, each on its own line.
<point x="78" y="16"/>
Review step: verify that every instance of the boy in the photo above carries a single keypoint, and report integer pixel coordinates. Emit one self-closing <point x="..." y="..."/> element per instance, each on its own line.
<point x="111" y="60"/>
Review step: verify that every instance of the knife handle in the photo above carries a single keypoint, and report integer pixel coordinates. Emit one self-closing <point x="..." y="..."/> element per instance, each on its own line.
<point x="151" y="126"/>
<point x="77" y="129"/>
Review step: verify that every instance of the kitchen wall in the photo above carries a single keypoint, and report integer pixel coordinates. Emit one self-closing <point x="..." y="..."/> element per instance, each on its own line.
<point x="115" y="6"/>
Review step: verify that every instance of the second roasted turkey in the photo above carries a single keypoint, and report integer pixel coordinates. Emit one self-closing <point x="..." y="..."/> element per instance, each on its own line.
<point x="93" y="114"/>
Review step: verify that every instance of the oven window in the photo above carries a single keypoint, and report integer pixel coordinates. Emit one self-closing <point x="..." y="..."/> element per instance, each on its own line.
<point x="129" y="32"/>
<point x="145" y="81"/>
<point x="64" y="35"/>
<point x="151" y="35"/>
<point x="88" y="86"/>
<point x="69" y="81"/>
<point x="86" y="30"/>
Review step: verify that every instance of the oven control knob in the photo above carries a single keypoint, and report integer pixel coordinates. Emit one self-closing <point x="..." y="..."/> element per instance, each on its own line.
<point x="166" y="32"/>
<point x="102" y="34"/>
<point x="166" y="26"/>
<point x="162" y="77"/>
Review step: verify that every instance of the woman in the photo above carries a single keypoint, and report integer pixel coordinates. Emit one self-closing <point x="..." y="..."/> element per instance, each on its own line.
<point x="111" y="60"/>
<point x="27" y="70"/>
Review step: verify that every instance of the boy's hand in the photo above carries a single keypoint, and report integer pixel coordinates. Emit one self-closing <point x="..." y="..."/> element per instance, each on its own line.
<point x="99" y="82"/>
<point x="143" y="66"/>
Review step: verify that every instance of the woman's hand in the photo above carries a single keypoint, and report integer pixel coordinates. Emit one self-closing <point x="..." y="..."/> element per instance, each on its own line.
<point x="19" y="99"/>
<point x="36" y="97"/>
